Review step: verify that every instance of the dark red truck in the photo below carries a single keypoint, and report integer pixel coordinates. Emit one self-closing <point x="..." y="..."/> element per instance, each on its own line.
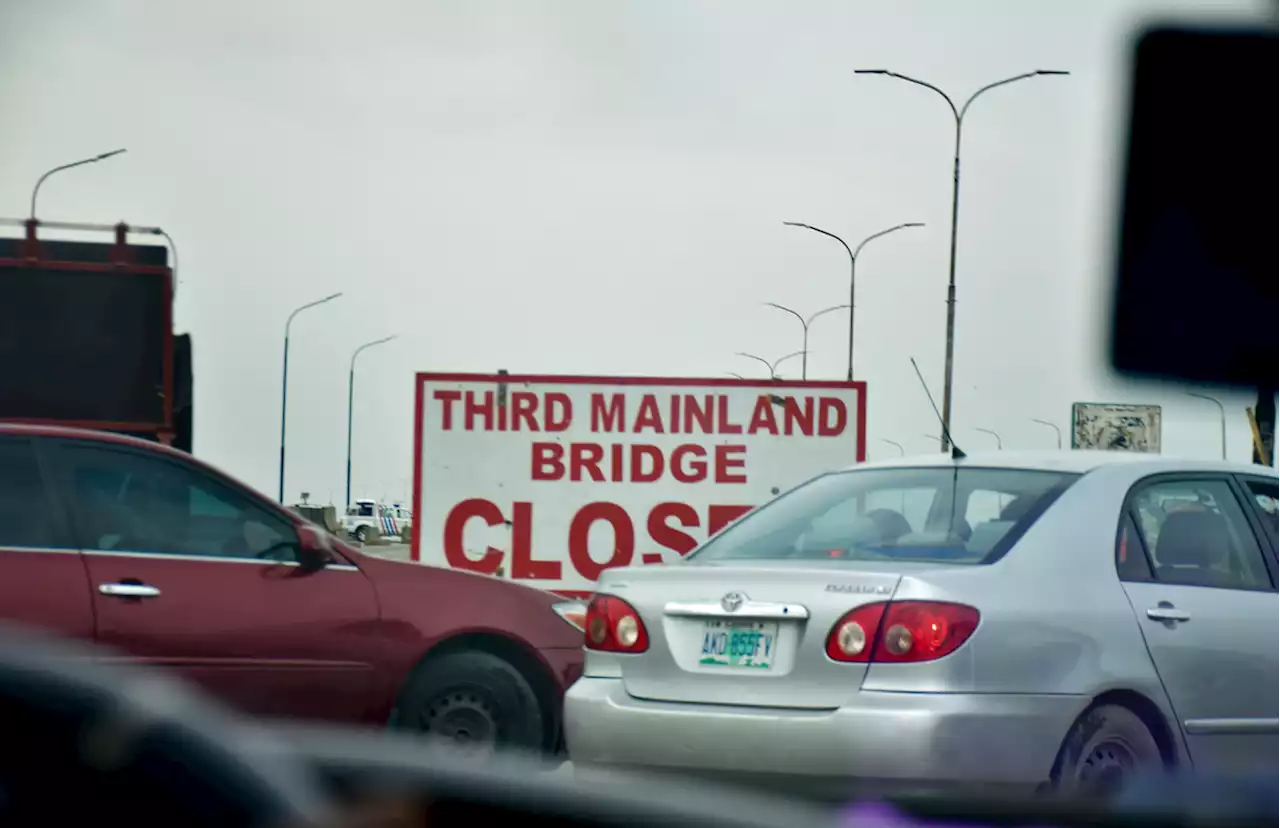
<point x="86" y="333"/>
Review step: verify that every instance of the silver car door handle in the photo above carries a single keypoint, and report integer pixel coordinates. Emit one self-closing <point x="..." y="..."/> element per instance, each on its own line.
<point x="129" y="590"/>
<point x="1168" y="614"/>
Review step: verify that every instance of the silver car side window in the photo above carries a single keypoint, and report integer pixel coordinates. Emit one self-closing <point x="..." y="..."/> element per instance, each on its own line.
<point x="1196" y="534"/>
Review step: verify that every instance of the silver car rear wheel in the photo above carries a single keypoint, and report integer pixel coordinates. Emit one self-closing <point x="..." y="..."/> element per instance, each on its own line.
<point x="1108" y="747"/>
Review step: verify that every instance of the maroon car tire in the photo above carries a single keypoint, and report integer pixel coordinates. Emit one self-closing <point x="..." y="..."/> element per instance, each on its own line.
<point x="474" y="701"/>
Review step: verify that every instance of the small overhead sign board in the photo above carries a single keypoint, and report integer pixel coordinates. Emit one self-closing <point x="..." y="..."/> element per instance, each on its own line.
<point x="1115" y="427"/>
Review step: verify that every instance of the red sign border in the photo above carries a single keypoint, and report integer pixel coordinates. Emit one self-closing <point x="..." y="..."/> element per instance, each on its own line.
<point x="421" y="378"/>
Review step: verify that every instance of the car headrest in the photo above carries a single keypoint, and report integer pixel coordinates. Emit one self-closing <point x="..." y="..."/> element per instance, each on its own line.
<point x="1192" y="539"/>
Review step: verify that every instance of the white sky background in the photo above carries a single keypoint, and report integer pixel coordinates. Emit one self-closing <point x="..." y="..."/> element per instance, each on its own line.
<point x="585" y="186"/>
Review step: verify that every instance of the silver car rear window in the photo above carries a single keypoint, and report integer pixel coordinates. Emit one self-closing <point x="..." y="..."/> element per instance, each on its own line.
<point x="944" y="515"/>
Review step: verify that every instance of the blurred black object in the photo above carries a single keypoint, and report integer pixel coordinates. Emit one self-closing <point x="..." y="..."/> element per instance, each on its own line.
<point x="1196" y="291"/>
<point x="88" y="739"/>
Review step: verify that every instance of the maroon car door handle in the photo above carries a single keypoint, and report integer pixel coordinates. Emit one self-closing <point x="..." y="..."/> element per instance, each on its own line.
<point x="127" y="590"/>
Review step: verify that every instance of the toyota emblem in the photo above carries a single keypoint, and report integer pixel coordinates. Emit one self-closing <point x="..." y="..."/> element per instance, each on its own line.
<point x="733" y="601"/>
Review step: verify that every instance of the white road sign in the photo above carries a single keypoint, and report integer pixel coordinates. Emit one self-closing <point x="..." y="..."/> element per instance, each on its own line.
<point x="553" y="479"/>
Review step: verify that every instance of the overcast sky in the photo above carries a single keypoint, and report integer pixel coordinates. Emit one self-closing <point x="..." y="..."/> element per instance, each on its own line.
<point x="582" y="186"/>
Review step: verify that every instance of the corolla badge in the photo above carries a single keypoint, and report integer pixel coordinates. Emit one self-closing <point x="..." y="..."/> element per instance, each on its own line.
<point x="732" y="602"/>
<point x="878" y="589"/>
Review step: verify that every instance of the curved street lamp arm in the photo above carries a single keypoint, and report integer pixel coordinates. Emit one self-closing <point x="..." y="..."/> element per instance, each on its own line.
<point x="823" y="232"/>
<point x="773" y="369"/>
<point x="297" y="311"/>
<point x="761" y="360"/>
<point x="917" y="82"/>
<point x="790" y="311"/>
<point x="35" y="191"/>
<point x="824" y="310"/>
<point x="901" y="450"/>
<point x="368" y="345"/>
<point x="999" y="442"/>
<point x="989" y="87"/>
<point x="874" y="236"/>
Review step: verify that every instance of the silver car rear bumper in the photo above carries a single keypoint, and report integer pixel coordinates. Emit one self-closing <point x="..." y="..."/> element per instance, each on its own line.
<point x="921" y="741"/>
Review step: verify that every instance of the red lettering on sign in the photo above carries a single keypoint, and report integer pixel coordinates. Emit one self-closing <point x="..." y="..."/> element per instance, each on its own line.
<point x="454" y="549"/>
<point x="640" y="451"/>
<point x="648" y="417"/>
<point x="833" y="416"/>
<point x="668" y="536"/>
<point x="559" y="411"/>
<point x="611" y="417"/>
<point x="762" y="418"/>
<point x="701" y="414"/>
<point x="624" y="538"/>
<point x="695" y="470"/>
<point x="447" y="399"/>
<point x="731" y="459"/>
<point x="524" y="407"/>
<point x="471" y="408"/>
<point x="794" y="416"/>
<point x="547" y="461"/>
<point x="723" y="426"/>
<point x="523" y="565"/>
<point x="585" y="457"/>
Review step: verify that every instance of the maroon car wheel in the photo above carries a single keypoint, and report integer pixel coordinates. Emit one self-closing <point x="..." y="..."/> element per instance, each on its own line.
<point x="473" y="701"/>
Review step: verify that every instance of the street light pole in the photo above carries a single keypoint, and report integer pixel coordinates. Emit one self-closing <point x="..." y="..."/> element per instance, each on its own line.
<point x="853" y="267"/>
<point x="805" y="323"/>
<point x="35" y="191"/>
<point x="959" y="113"/>
<point x="351" y="395"/>
<point x="1222" y="416"/>
<point x="284" y="383"/>
<point x="999" y="442"/>
<point x="1053" y="426"/>
<point x="901" y="451"/>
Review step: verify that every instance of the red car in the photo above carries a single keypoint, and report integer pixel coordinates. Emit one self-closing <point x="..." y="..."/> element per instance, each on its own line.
<point x="169" y="562"/>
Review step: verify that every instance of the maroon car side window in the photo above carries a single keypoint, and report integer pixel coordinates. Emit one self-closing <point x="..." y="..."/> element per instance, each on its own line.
<point x="128" y="500"/>
<point x="25" y="519"/>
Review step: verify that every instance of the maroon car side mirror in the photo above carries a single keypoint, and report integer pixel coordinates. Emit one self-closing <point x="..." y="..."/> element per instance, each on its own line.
<point x="314" y="549"/>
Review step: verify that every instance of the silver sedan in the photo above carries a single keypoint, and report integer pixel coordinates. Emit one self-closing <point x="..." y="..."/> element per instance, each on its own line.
<point x="1057" y="620"/>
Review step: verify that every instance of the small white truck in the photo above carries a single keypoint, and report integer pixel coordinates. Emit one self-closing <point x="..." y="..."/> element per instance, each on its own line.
<point x="367" y="518"/>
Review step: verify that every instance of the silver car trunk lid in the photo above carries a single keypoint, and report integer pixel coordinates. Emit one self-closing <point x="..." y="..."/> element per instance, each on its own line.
<point x="769" y="621"/>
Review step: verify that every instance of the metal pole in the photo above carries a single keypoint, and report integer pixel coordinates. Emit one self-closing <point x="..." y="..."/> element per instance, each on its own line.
<point x="351" y="395"/>
<point x="958" y="113"/>
<point x="1053" y="426"/>
<point x="35" y="191"/>
<point x="284" y="384"/>
<point x="853" y="268"/>
<point x="1222" y="417"/>
<point x="853" y="281"/>
<point x="804" y="356"/>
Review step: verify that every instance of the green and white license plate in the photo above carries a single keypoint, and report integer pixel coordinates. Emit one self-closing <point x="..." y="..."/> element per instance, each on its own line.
<point x="738" y="644"/>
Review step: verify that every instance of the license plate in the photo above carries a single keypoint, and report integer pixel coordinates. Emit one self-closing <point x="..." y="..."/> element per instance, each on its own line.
<point x="738" y="644"/>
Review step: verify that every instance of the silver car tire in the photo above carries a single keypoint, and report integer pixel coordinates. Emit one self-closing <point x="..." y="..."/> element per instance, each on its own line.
<point x="1107" y="747"/>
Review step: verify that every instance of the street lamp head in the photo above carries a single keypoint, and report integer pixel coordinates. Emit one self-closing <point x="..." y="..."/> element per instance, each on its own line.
<point x="870" y="71"/>
<point x="104" y="156"/>
<point x="1052" y="72"/>
<point x="914" y="224"/>
<point x="797" y="224"/>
